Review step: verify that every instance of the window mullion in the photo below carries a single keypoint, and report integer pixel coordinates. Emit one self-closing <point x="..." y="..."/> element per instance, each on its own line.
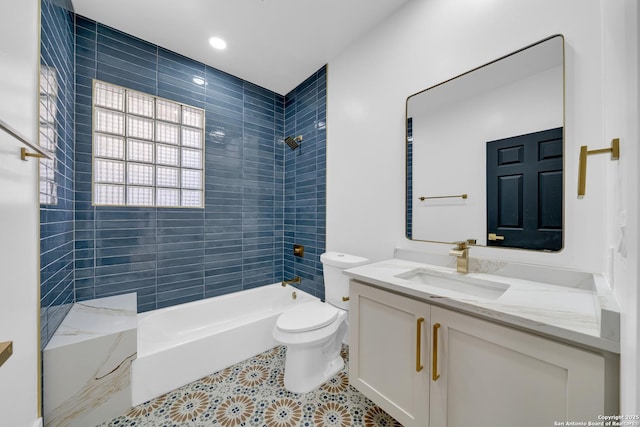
<point x="180" y="186"/>
<point x="126" y="149"/>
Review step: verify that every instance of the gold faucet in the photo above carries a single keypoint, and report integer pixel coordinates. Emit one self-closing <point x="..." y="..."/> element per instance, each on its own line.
<point x="461" y="252"/>
<point x="288" y="282"/>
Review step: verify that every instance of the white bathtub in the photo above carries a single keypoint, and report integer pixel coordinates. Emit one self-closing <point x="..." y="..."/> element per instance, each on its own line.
<point x="180" y="344"/>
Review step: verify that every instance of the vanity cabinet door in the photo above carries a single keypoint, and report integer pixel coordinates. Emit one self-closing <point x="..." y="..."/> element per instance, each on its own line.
<point x="388" y="360"/>
<point x="491" y="376"/>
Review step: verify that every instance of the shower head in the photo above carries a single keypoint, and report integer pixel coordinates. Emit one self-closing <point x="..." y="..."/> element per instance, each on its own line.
<point x="293" y="142"/>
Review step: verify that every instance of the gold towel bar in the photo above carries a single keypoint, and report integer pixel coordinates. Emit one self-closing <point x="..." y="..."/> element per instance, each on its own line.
<point x="582" y="166"/>
<point x="23" y="152"/>
<point x="462" y="196"/>
<point x="6" y="350"/>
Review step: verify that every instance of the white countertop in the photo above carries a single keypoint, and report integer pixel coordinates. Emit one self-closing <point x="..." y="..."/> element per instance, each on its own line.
<point x="570" y="308"/>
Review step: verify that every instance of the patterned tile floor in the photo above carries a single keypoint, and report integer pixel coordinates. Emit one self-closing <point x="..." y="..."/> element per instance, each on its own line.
<point x="251" y="393"/>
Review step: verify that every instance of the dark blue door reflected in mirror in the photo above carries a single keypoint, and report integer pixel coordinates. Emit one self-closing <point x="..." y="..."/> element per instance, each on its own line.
<point x="524" y="191"/>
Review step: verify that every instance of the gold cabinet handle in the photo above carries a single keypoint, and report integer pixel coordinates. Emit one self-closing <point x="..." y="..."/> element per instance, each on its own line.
<point x="494" y="236"/>
<point x="419" y="344"/>
<point x="434" y="358"/>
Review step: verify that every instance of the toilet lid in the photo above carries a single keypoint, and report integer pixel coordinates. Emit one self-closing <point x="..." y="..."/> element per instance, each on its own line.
<point x="307" y="317"/>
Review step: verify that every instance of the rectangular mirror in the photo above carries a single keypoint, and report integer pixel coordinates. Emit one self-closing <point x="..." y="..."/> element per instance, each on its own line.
<point x="485" y="153"/>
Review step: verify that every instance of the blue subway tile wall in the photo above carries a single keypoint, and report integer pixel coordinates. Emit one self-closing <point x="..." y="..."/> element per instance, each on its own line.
<point x="171" y="256"/>
<point x="242" y="239"/>
<point x="56" y="213"/>
<point x="305" y="182"/>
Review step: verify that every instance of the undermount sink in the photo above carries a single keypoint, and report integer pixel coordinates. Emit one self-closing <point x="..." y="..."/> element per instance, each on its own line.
<point x="456" y="282"/>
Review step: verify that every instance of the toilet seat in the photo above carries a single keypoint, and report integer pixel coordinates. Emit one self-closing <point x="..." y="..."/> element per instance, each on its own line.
<point x="315" y="331"/>
<point x="307" y="317"/>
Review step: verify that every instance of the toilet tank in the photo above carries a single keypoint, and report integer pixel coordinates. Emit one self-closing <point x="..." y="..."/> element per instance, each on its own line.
<point x="336" y="284"/>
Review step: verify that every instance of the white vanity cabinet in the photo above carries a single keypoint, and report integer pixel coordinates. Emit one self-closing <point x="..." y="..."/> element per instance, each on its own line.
<point x="388" y="340"/>
<point x="487" y="374"/>
<point x="492" y="375"/>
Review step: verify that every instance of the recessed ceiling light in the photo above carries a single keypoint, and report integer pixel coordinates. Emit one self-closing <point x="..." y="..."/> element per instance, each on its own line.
<point x="217" y="43"/>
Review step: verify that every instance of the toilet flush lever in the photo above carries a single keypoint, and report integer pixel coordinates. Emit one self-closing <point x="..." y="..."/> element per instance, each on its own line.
<point x="345" y="299"/>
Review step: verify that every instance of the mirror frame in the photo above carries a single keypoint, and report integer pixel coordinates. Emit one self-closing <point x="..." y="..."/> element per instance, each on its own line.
<point x="408" y="196"/>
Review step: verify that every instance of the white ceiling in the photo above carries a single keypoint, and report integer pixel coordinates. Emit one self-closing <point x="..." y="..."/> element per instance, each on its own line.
<point x="276" y="44"/>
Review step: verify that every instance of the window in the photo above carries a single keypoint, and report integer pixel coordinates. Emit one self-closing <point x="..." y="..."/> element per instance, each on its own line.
<point x="147" y="151"/>
<point x="48" y="135"/>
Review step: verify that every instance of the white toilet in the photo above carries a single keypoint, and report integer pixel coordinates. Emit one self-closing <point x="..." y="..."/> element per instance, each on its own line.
<point x="313" y="331"/>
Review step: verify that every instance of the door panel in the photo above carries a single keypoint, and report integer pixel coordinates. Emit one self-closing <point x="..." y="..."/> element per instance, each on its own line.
<point x="384" y="353"/>
<point x="510" y="203"/>
<point x="524" y="190"/>
<point x="492" y="375"/>
<point x="550" y="191"/>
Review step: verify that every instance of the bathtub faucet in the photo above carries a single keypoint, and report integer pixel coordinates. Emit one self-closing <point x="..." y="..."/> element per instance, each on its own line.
<point x="288" y="282"/>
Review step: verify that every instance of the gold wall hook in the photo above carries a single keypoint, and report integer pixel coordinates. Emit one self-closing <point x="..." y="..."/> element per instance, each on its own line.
<point x="582" y="166"/>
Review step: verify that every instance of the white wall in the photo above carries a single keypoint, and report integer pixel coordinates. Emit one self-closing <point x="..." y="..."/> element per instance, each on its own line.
<point x="426" y="42"/>
<point x="621" y="115"/>
<point x="19" y="213"/>
<point x="429" y="41"/>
